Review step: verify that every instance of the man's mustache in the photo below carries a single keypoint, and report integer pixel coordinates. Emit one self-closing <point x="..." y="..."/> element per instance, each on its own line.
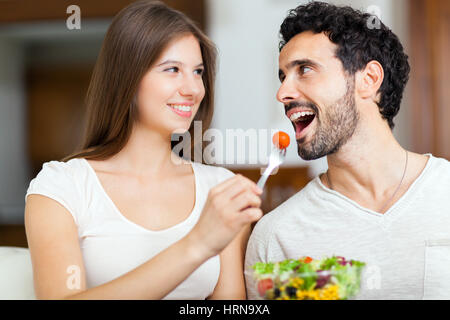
<point x="297" y="104"/>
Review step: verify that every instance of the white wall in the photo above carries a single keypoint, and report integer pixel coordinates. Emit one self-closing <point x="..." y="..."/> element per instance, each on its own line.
<point x="246" y="33"/>
<point x="13" y="165"/>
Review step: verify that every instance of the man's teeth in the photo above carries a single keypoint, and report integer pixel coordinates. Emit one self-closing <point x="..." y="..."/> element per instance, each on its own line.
<point x="298" y="115"/>
<point x="181" y="108"/>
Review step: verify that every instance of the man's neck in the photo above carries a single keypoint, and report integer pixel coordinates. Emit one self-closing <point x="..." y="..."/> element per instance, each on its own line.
<point x="369" y="167"/>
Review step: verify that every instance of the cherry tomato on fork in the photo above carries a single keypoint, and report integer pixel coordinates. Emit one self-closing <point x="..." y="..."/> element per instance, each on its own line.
<point x="281" y="140"/>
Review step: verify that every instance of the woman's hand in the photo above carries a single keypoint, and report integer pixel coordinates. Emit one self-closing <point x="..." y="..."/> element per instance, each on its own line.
<point x="230" y="207"/>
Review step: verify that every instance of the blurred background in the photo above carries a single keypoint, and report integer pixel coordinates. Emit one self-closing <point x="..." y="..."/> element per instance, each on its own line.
<point x="45" y="69"/>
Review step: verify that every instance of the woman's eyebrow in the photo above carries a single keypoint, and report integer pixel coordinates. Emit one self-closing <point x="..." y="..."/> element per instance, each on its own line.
<point x="177" y="63"/>
<point x="169" y="62"/>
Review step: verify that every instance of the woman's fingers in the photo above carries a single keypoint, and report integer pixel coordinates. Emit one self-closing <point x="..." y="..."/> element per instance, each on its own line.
<point x="225" y="184"/>
<point x="238" y="194"/>
<point x="231" y="183"/>
<point x="251" y="215"/>
<point x="237" y="185"/>
<point x="245" y="200"/>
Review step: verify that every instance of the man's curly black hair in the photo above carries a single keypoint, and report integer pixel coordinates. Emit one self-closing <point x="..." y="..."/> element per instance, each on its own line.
<point x="357" y="45"/>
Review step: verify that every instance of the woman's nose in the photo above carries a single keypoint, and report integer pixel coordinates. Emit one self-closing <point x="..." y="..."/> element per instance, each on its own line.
<point x="191" y="86"/>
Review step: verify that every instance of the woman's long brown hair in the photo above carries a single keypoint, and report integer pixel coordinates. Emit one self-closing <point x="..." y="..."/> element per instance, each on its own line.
<point x="135" y="39"/>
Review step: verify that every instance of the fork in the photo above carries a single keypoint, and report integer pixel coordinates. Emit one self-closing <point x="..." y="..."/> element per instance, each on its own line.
<point x="276" y="158"/>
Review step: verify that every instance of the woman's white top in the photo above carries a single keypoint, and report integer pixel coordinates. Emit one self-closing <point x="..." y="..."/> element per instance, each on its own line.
<point x="111" y="244"/>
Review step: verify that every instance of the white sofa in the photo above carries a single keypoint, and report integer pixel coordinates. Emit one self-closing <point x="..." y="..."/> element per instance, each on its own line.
<point x="16" y="274"/>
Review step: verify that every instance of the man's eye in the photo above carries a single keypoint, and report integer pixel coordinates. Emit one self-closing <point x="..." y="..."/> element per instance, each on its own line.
<point x="304" y="69"/>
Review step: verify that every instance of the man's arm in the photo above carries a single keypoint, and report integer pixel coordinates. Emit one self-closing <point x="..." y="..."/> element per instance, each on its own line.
<point x="256" y="252"/>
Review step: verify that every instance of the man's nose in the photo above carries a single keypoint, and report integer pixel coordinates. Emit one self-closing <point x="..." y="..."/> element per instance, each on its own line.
<point x="288" y="92"/>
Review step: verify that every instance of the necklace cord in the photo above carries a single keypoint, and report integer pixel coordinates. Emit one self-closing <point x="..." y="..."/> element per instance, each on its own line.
<point x="396" y="190"/>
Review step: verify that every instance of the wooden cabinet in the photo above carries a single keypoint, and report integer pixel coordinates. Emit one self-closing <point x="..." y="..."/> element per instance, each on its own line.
<point x="430" y="75"/>
<point x="56" y="111"/>
<point x="32" y="10"/>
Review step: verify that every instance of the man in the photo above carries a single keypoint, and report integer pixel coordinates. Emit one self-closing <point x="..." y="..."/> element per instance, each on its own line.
<point x="341" y="84"/>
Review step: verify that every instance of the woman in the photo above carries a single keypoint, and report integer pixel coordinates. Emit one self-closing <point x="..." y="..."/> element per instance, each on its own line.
<point x="121" y="219"/>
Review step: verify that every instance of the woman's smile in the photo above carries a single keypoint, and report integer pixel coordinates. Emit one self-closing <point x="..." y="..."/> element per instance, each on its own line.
<point x="182" y="109"/>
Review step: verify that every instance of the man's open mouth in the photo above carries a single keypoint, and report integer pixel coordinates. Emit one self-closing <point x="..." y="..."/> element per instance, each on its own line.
<point x="301" y="120"/>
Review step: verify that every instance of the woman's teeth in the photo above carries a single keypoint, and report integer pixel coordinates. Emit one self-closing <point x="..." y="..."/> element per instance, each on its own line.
<point x="295" y="116"/>
<point x="181" y="108"/>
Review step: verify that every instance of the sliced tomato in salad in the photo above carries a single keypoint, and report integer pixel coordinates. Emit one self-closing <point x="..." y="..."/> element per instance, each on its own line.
<point x="264" y="285"/>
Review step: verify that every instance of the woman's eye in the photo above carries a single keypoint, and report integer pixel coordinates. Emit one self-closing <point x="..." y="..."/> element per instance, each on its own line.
<point x="199" y="72"/>
<point x="173" y="69"/>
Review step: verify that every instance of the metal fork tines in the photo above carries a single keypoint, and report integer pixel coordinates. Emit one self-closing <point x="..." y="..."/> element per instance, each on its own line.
<point x="276" y="158"/>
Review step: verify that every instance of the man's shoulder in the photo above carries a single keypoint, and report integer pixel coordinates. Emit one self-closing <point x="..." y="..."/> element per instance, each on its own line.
<point x="441" y="163"/>
<point x="437" y="170"/>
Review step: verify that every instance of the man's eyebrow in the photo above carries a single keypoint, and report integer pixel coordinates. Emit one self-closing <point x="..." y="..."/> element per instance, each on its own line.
<point x="177" y="63"/>
<point x="302" y="62"/>
<point x="298" y="63"/>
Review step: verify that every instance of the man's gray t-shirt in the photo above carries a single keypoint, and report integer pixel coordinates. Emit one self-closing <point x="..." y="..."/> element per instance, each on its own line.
<point x="407" y="249"/>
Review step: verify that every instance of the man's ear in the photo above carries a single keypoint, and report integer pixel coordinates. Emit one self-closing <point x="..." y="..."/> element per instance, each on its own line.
<point x="369" y="80"/>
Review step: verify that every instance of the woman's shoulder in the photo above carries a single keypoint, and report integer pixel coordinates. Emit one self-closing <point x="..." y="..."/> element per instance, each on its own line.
<point x="57" y="177"/>
<point x="61" y="169"/>
<point x="59" y="180"/>
<point x="214" y="173"/>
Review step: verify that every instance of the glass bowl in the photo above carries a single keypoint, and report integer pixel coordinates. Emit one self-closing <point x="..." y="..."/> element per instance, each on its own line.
<point x="333" y="278"/>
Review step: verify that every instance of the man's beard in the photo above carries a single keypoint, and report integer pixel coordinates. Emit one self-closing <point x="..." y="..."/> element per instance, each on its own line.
<point x="334" y="128"/>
